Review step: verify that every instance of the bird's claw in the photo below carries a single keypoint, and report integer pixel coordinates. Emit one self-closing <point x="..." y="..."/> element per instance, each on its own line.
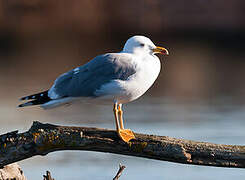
<point x="126" y="134"/>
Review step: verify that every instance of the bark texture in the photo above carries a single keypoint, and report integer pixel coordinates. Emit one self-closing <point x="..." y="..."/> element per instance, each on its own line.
<point x="12" y="172"/>
<point x="42" y="139"/>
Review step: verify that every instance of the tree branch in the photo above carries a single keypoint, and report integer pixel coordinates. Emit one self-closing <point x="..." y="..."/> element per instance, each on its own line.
<point x="41" y="139"/>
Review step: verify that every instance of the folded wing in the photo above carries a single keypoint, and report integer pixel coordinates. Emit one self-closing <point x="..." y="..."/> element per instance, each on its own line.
<point x="85" y="80"/>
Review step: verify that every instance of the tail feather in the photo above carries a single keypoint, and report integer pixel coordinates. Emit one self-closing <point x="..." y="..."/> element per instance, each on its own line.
<point x="39" y="98"/>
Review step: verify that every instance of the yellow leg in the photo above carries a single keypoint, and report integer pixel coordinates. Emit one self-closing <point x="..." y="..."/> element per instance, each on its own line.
<point x="125" y="134"/>
<point x="120" y="114"/>
<point x="115" y="110"/>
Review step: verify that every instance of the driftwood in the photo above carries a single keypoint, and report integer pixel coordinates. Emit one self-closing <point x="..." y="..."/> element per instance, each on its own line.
<point x="42" y="139"/>
<point x="12" y="172"/>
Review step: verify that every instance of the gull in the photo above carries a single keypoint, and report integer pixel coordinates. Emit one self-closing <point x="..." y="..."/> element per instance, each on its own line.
<point x="112" y="78"/>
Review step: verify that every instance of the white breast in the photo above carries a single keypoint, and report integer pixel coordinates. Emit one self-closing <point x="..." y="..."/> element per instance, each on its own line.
<point x="143" y="79"/>
<point x="136" y="85"/>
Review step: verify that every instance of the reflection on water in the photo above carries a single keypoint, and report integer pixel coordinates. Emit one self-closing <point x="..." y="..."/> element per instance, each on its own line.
<point x="217" y="122"/>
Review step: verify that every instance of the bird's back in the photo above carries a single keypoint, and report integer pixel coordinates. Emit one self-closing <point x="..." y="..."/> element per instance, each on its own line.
<point x="86" y="79"/>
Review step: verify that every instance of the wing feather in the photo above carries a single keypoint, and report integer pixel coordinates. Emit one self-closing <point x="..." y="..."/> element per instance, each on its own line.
<point x="86" y="79"/>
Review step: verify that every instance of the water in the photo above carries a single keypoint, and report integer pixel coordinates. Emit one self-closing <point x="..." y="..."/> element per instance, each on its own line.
<point x="217" y="122"/>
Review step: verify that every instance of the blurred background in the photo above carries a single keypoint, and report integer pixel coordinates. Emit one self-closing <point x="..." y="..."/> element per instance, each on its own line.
<point x="199" y="95"/>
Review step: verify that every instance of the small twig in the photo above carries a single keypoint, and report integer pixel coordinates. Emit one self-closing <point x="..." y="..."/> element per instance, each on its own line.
<point x="119" y="173"/>
<point x="47" y="176"/>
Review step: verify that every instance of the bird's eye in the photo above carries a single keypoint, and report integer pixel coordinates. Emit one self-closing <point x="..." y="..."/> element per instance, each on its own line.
<point x="142" y="45"/>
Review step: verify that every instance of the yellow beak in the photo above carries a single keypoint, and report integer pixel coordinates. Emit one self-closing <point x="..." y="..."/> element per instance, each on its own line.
<point x="160" y="50"/>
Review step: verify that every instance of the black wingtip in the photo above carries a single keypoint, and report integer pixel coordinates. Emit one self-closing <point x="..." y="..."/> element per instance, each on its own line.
<point x="36" y="99"/>
<point x="21" y="105"/>
<point x="23" y="98"/>
<point x="40" y="95"/>
<point x="25" y="104"/>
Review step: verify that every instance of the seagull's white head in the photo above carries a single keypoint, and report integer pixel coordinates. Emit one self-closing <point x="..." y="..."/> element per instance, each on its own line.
<point x="142" y="45"/>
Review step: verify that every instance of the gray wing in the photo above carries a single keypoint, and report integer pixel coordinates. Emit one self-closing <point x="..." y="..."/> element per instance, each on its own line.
<point x="86" y="79"/>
